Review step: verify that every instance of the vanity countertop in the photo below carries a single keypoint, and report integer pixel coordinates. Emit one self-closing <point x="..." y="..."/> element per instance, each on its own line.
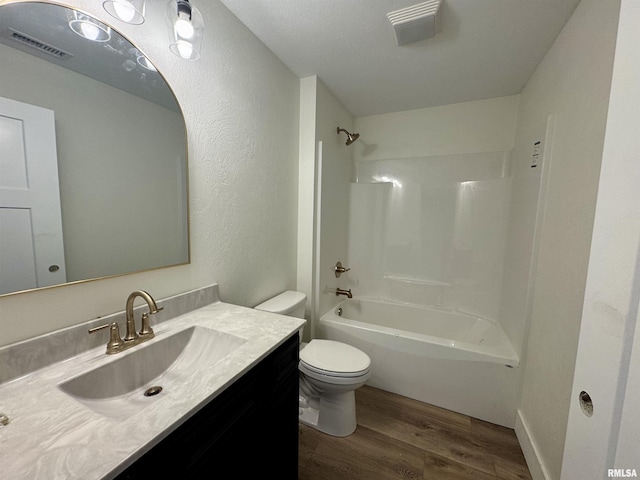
<point x="53" y="436"/>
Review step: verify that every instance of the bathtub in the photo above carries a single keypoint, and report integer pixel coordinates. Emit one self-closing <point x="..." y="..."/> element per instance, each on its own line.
<point x="443" y="357"/>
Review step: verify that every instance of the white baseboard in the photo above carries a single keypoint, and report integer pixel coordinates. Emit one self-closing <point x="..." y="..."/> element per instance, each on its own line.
<point x="530" y="450"/>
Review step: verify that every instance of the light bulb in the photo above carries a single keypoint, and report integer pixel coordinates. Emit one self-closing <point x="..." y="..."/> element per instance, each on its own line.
<point x="89" y="30"/>
<point x="183" y="27"/>
<point x="124" y="10"/>
<point x="185" y="49"/>
<point x="128" y="11"/>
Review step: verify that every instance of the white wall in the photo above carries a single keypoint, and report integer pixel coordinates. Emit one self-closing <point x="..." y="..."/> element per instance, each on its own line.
<point x="572" y="85"/>
<point x="468" y="127"/>
<point x="241" y="109"/>
<point x="608" y="361"/>
<point x="98" y="181"/>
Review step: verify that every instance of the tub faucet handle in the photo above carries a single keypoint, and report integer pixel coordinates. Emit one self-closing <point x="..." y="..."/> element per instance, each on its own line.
<point x="339" y="269"/>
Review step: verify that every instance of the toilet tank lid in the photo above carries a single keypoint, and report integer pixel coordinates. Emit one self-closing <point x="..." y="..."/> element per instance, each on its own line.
<point x="284" y="303"/>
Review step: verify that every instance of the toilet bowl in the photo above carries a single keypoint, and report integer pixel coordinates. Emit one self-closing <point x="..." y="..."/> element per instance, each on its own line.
<point x="330" y="372"/>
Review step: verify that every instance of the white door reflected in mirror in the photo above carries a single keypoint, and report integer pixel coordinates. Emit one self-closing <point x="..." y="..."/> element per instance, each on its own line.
<point x="31" y="238"/>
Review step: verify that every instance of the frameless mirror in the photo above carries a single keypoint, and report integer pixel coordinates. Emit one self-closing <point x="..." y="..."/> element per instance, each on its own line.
<point x="93" y="153"/>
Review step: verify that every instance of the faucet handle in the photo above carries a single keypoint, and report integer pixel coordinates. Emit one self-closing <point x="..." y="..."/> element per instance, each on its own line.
<point x="146" y="330"/>
<point x="339" y="269"/>
<point x="115" y="341"/>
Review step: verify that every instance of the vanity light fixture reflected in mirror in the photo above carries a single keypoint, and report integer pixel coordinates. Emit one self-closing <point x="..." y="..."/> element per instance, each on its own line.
<point x="185" y="27"/>
<point x="88" y="27"/>
<point x="144" y="62"/>
<point x="128" y="11"/>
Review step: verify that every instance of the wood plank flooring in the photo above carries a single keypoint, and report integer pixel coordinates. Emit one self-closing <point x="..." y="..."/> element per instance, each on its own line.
<point x="402" y="439"/>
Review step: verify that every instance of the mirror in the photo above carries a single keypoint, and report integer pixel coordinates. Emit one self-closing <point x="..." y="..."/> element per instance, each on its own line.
<point x="93" y="153"/>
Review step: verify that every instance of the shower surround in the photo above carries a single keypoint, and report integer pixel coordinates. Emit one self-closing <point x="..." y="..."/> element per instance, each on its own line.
<point x="430" y="233"/>
<point x="432" y="230"/>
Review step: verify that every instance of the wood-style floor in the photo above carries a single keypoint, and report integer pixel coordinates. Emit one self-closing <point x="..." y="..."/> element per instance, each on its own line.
<point x="400" y="438"/>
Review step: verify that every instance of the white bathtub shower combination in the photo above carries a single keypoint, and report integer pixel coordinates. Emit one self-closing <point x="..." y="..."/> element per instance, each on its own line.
<point x="426" y="243"/>
<point x="443" y="357"/>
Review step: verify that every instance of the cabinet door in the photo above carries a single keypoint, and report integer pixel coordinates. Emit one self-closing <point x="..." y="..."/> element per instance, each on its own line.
<point x="248" y="430"/>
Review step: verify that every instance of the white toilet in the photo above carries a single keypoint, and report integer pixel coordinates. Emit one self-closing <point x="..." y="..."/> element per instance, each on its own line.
<point x="330" y="372"/>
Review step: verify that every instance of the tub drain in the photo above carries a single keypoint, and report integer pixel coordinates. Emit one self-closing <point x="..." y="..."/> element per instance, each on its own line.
<point x="151" y="391"/>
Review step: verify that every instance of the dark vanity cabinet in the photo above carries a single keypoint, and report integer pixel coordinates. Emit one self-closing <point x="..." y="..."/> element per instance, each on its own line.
<point x="248" y="431"/>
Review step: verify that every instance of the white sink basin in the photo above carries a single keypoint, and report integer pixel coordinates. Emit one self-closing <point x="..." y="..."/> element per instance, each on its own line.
<point x="117" y="389"/>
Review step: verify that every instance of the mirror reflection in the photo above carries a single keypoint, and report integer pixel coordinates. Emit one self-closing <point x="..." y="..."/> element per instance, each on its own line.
<point x="93" y="157"/>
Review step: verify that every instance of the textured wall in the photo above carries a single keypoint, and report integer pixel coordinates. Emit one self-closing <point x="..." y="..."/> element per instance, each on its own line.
<point x="241" y="109"/>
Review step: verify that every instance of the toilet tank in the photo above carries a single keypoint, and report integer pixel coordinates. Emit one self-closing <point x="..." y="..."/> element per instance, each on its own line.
<point x="288" y="303"/>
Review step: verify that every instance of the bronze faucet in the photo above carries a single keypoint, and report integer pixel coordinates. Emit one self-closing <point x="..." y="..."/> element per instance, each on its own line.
<point x="131" y="338"/>
<point x="347" y="293"/>
<point x="146" y="331"/>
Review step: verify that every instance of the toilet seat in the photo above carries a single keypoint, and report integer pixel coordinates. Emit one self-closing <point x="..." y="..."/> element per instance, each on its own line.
<point x="333" y="359"/>
<point x="326" y="378"/>
<point x="329" y="373"/>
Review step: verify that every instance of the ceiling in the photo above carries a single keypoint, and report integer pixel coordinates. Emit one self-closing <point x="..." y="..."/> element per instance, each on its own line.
<point x="486" y="48"/>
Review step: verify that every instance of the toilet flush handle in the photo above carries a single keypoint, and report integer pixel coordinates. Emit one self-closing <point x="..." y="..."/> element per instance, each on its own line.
<point x="339" y="269"/>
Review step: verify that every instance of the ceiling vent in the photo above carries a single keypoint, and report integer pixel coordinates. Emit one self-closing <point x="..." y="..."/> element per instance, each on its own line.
<point x="37" y="44"/>
<point x="416" y="23"/>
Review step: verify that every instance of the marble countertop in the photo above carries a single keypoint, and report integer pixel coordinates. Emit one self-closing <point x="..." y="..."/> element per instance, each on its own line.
<point x="53" y="436"/>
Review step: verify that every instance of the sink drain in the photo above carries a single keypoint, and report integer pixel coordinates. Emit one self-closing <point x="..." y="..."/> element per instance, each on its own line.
<point x="151" y="391"/>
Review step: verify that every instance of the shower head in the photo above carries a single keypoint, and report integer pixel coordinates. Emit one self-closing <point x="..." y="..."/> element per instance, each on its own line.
<point x="351" y="137"/>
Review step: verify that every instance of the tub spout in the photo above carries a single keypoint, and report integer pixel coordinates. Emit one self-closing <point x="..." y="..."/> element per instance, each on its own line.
<point x="347" y="293"/>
